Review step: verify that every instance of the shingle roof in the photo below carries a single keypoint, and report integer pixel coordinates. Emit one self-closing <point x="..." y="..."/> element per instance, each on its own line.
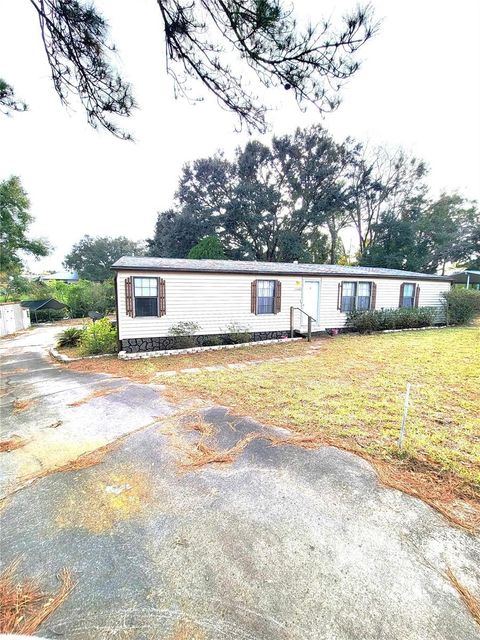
<point x="140" y="263"/>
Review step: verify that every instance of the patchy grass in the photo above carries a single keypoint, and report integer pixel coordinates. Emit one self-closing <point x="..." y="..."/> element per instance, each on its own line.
<point x="145" y="370"/>
<point x="350" y="392"/>
<point x="24" y="606"/>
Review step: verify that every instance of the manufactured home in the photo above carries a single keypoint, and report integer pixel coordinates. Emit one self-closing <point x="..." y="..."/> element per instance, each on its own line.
<point x="266" y="299"/>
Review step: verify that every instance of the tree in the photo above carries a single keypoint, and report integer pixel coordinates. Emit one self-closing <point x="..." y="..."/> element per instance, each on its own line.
<point x="8" y="102"/>
<point x="209" y="248"/>
<point x="382" y="182"/>
<point x="204" y="41"/>
<point x="427" y="236"/>
<point x="92" y="258"/>
<point x="270" y="203"/>
<point x="15" y="220"/>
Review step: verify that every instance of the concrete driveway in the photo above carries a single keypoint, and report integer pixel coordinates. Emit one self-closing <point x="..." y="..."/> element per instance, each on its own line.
<point x="283" y="543"/>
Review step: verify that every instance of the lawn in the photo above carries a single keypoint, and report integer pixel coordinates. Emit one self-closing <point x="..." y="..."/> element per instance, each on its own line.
<point x="349" y="391"/>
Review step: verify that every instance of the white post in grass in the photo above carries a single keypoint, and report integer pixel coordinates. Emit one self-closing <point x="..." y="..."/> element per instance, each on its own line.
<point x="404" y="419"/>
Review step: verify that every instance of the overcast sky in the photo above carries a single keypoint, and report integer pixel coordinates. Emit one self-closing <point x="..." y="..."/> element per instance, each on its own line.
<point x="418" y="87"/>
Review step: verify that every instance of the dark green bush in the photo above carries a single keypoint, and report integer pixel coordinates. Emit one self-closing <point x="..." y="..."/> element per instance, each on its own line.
<point x="383" y="319"/>
<point x="212" y="341"/>
<point x="99" y="337"/>
<point x="70" y="337"/>
<point x="461" y="305"/>
<point x="48" y="315"/>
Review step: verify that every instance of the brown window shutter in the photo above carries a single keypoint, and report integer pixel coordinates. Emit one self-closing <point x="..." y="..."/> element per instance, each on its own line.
<point x="417" y="294"/>
<point x="373" y="295"/>
<point x="278" y="297"/>
<point x="128" y="297"/>
<point x="340" y="296"/>
<point x="162" y="301"/>
<point x="253" y="305"/>
<point x="400" y="302"/>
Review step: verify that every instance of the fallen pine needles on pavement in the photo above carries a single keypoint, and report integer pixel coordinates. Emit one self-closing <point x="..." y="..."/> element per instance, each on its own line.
<point x="24" y="606"/>
<point x="11" y="444"/>
<point x="471" y="602"/>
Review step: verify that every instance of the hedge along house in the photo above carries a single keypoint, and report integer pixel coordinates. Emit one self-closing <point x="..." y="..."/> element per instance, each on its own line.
<point x="267" y="299"/>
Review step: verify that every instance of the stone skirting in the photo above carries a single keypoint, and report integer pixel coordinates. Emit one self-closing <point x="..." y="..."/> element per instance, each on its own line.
<point x="168" y="343"/>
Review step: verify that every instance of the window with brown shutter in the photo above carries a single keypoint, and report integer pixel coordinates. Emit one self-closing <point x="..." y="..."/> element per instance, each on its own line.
<point x="253" y="297"/>
<point x="278" y="297"/>
<point x="417" y="295"/>
<point x="162" y="300"/>
<point x="128" y="297"/>
<point x="146" y="296"/>
<point x="373" y="298"/>
<point x="355" y="296"/>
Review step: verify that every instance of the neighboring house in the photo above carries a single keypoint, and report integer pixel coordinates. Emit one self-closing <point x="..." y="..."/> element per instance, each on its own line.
<point x="155" y="293"/>
<point x="49" y="304"/>
<point x="60" y="276"/>
<point x="13" y="318"/>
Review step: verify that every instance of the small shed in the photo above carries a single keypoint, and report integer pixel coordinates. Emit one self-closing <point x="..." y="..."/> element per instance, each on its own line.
<point x="13" y="318"/>
<point x="43" y="305"/>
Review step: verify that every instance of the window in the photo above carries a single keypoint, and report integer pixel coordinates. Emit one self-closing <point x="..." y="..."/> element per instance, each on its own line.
<point x="146" y="296"/>
<point x="356" y="296"/>
<point x="265" y="296"/>
<point x="363" y="296"/>
<point x="407" y="295"/>
<point x="348" y="296"/>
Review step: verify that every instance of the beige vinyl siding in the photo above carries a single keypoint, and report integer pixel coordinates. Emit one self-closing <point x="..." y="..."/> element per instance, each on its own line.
<point x="213" y="300"/>
<point x="388" y="295"/>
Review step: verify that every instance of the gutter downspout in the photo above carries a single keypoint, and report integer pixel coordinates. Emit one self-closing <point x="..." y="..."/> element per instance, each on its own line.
<point x="115" y="281"/>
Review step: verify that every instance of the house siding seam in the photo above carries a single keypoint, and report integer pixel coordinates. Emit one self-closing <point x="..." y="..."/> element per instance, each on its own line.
<point x="215" y="300"/>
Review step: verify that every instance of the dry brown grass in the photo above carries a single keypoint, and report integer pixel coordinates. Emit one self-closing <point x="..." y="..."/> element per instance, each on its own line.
<point x="99" y="393"/>
<point x="146" y="370"/>
<point x="24" y="606"/>
<point x="471" y="602"/>
<point x="12" y="443"/>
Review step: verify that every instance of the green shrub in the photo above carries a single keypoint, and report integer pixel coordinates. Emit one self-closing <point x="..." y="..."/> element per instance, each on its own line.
<point x="83" y="296"/>
<point x="70" y="337"/>
<point x="238" y="333"/>
<point x="183" y="334"/>
<point x="212" y="341"/>
<point x="383" y="319"/>
<point x="461" y="305"/>
<point x="99" y="337"/>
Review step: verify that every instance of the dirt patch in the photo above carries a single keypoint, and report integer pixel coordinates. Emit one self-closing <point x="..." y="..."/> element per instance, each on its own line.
<point x="104" y="500"/>
<point x="24" y="606"/>
<point x="471" y="602"/>
<point x="22" y="405"/>
<point x="99" y="393"/>
<point x="12" y="443"/>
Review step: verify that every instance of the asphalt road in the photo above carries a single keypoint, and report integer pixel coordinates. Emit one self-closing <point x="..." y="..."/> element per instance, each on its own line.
<point x="283" y="543"/>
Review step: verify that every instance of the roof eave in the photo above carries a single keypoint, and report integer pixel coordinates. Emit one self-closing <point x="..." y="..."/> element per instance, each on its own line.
<point x="406" y="276"/>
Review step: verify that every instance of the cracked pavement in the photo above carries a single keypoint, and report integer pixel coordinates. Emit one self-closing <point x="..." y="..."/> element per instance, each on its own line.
<point x="284" y="543"/>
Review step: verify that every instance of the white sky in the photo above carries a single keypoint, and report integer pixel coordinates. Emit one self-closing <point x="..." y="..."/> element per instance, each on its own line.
<point x="419" y="87"/>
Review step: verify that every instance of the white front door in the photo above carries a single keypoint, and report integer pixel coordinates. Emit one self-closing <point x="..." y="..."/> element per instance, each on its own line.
<point x="310" y="300"/>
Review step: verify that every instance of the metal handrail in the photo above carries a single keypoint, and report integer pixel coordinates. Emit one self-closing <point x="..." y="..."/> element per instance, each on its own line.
<point x="292" y="322"/>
